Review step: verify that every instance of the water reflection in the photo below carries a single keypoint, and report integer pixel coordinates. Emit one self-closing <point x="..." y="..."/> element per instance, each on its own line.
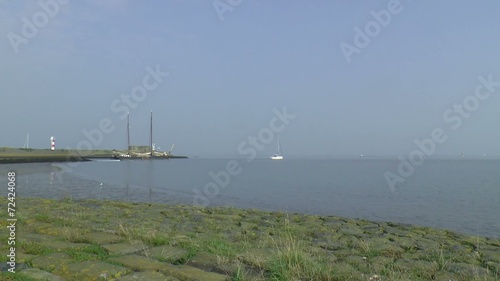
<point x="127" y="177"/>
<point x="51" y="178"/>
<point x="456" y="195"/>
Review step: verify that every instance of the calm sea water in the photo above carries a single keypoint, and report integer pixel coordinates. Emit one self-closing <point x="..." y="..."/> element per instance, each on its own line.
<point x="461" y="195"/>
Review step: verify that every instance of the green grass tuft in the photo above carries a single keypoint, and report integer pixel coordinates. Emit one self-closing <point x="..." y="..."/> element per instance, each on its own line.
<point x="7" y="276"/>
<point x="33" y="248"/>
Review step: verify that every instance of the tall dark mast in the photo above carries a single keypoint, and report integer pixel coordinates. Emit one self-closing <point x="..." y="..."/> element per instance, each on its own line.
<point x="151" y="135"/>
<point x="128" y="134"/>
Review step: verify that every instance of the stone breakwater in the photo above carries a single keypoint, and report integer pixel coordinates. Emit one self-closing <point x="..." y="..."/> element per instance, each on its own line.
<point x="107" y="240"/>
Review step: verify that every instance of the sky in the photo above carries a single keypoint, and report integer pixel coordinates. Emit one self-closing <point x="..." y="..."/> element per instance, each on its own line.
<point x="354" y="77"/>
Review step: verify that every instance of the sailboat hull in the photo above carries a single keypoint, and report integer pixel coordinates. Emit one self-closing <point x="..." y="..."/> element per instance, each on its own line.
<point x="162" y="157"/>
<point x="277" y="157"/>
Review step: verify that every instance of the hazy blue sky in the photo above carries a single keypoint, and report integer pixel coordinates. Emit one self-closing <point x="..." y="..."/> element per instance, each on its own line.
<point x="226" y="76"/>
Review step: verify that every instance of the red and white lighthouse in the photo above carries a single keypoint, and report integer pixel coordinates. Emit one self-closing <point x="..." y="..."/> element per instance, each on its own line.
<point x="52" y="143"/>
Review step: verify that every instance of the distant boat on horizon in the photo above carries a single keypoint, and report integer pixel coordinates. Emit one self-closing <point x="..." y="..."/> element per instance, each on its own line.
<point x="279" y="155"/>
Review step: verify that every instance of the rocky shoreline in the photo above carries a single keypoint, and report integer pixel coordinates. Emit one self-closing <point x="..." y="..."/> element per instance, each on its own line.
<point x="109" y="240"/>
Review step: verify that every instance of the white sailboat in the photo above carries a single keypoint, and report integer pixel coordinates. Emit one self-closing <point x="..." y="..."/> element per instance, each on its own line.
<point x="279" y="155"/>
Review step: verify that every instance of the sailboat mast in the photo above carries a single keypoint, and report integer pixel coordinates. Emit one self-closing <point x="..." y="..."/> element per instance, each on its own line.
<point x="27" y="142"/>
<point x="151" y="135"/>
<point x="128" y="133"/>
<point x="279" y="146"/>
